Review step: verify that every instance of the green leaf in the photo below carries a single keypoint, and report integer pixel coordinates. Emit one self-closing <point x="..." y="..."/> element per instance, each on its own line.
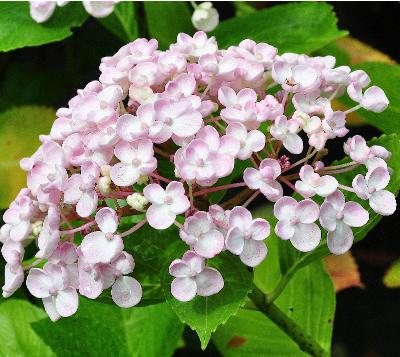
<point x="20" y="128"/>
<point x="386" y="76"/>
<point x="166" y="19"/>
<point x="392" y="276"/>
<point x="243" y="8"/>
<point x="17" y="338"/>
<point x="104" y="330"/>
<point x="18" y="29"/>
<point x="122" y="22"/>
<point x="205" y="314"/>
<point x="297" y="27"/>
<point x="309" y="300"/>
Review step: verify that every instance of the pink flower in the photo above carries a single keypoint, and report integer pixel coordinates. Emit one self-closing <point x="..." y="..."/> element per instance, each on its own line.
<point x="165" y="204"/>
<point x="299" y="78"/>
<point x="193" y="278"/>
<point x="371" y="187"/>
<point x="252" y="141"/>
<point x="126" y="292"/>
<point x="202" y="235"/>
<point x="207" y="158"/>
<point x="374" y="99"/>
<point x="296" y="222"/>
<point x="334" y="124"/>
<point x="13" y="279"/>
<point x="337" y="216"/>
<point x="286" y="131"/>
<point x="196" y="46"/>
<point x="99" y="8"/>
<point x="81" y="189"/>
<point x="245" y="236"/>
<point x="268" y="109"/>
<point x="136" y="158"/>
<point x="264" y="179"/>
<point x="311" y="103"/>
<point x="50" y="233"/>
<point x="42" y="10"/>
<point x="104" y="245"/>
<point x="313" y="184"/>
<point x="52" y="284"/>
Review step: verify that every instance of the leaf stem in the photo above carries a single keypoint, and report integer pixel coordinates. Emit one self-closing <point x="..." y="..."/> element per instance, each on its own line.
<point x="134" y="228"/>
<point x="305" y="342"/>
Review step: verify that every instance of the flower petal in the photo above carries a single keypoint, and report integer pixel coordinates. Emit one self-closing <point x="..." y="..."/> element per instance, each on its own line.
<point x="209" y="282"/>
<point x="96" y="248"/>
<point x="253" y="253"/>
<point x="183" y="289"/>
<point x="306" y="237"/>
<point x="383" y="202"/>
<point x="285" y="208"/>
<point x="107" y="220"/>
<point x="355" y="215"/>
<point x="126" y="292"/>
<point x="160" y="217"/>
<point x="307" y="211"/>
<point x="67" y="302"/>
<point x="341" y="239"/>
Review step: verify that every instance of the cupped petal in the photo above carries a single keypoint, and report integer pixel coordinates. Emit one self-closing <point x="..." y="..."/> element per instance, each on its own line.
<point x="304" y="189"/>
<point x="107" y="220"/>
<point x="284" y="230"/>
<point x="252" y="178"/>
<point x="306" y="237"/>
<point x="210" y="244"/>
<point x="209" y="282"/>
<point x="285" y="208"/>
<point x="260" y="229"/>
<point x="378" y="179"/>
<point x="328" y="215"/>
<point x="355" y="215"/>
<point x="97" y="248"/>
<point x="38" y="283"/>
<point x="67" y="302"/>
<point x="254" y="252"/>
<point x="154" y="193"/>
<point x="160" y="217"/>
<point x="383" y="202"/>
<point x="124" y="175"/>
<point x="126" y="292"/>
<point x="183" y="289"/>
<point x="235" y="241"/>
<point x="240" y="217"/>
<point x="179" y="269"/>
<point x="87" y="203"/>
<point x="307" y="211"/>
<point x="293" y="143"/>
<point x="328" y="185"/>
<point x="341" y="239"/>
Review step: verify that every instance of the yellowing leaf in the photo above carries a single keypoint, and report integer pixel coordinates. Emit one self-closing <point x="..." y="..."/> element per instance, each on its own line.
<point x="20" y="128"/>
<point x="343" y="270"/>
<point x="392" y="276"/>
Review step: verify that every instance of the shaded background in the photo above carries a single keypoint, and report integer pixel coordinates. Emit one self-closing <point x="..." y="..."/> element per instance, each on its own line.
<point x="367" y="320"/>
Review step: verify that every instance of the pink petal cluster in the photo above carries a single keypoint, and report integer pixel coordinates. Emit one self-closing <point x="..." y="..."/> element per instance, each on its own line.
<point x="199" y="111"/>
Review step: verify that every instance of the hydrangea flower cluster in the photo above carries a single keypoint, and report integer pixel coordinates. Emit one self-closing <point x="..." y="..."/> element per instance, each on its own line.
<point x="202" y="110"/>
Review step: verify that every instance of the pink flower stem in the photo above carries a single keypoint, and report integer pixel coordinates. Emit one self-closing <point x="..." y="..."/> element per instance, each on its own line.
<point x="284" y="99"/>
<point x="134" y="228"/>
<point x="251" y="198"/>
<point x="36" y="262"/>
<point x="191" y="196"/>
<point x="212" y="120"/>
<point x="254" y="162"/>
<point x="351" y="110"/>
<point x="219" y="188"/>
<point x="301" y="161"/>
<point x="334" y="172"/>
<point x="78" y="229"/>
<point x="161" y="178"/>
<point x="65" y="219"/>
<point x="257" y="155"/>
<point x="334" y="167"/>
<point x="161" y="152"/>
<point x="346" y="188"/>
<point x="178" y="224"/>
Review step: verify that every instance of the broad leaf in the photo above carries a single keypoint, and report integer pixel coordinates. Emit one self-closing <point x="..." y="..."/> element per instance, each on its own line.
<point x="20" y="128"/>
<point x="166" y="19"/>
<point x="18" y="29"/>
<point x="297" y="27"/>
<point x="205" y="314"/>
<point x="386" y="76"/>
<point x="104" y="330"/>
<point x="122" y="22"/>
<point x="392" y="276"/>
<point x="309" y="300"/>
<point x="17" y="338"/>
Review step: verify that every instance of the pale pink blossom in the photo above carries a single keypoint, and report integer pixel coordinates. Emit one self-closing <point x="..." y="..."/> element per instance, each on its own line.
<point x="136" y="159"/>
<point x="250" y="141"/>
<point x="202" y="235"/>
<point x="165" y="204"/>
<point x="337" y="216"/>
<point x="99" y="8"/>
<point x="264" y="179"/>
<point x="42" y="10"/>
<point x="245" y="236"/>
<point x="296" y="222"/>
<point x="311" y="183"/>
<point x="104" y="245"/>
<point x="286" y="131"/>
<point x="193" y="278"/>
<point x="372" y="188"/>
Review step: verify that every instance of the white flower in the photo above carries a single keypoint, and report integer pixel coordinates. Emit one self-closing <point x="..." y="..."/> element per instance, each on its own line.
<point x="205" y="17"/>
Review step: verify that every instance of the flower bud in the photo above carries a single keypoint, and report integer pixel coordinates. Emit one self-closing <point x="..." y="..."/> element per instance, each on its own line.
<point x="137" y="201"/>
<point x="205" y="17"/>
<point x="142" y="180"/>
<point x="103" y="185"/>
<point x="37" y="227"/>
<point x="105" y="170"/>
